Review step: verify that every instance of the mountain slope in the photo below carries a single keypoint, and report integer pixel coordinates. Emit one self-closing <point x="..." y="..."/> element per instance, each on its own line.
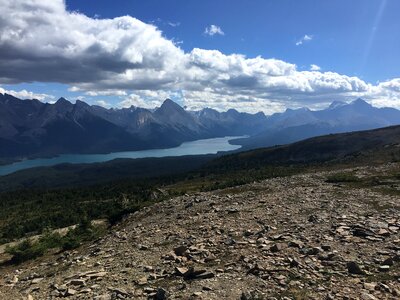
<point x="30" y="128"/>
<point x="231" y="122"/>
<point x="373" y="145"/>
<point x="295" y="125"/>
<point x="294" y="237"/>
<point x="44" y="129"/>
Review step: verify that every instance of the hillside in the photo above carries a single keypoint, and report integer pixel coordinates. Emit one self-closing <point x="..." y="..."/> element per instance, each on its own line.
<point x="199" y="150"/>
<point x="297" y="237"/>
<point x="317" y="219"/>
<point x="373" y="146"/>
<point x="77" y="175"/>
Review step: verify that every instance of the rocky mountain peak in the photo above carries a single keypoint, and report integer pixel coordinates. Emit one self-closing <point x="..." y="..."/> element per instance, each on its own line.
<point x="81" y="103"/>
<point x="62" y="100"/>
<point x="360" y="103"/>
<point x="169" y="105"/>
<point x="170" y="108"/>
<point x="336" y="104"/>
<point x="63" y="104"/>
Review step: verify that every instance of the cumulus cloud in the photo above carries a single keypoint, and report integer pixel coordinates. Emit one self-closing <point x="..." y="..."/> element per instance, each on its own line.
<point x="148" y="98"/>
<point x="103" y="103"/>
<point x="314" y="67"/>
<point x="385" y="94"/>
<point x="104" y="93"/>
<point x="305" y="38"/>
<point x="41" y="41"/>
<point x="213" y="30"/>
<point x="139" y="101"/>
<point x="24" y="94"/>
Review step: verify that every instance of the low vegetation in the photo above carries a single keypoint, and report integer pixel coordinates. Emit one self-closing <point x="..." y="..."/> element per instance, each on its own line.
<point x="30" y="210"/>
<point x="342" y="178"/>
<point x="28" y="249"/>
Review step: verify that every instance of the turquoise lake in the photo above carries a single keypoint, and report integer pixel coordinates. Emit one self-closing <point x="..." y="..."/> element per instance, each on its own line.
<point x="198" y="147"/>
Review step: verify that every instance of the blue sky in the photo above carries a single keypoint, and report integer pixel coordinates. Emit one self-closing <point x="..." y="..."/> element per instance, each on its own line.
<point x="355" y="39"/>
<point x="342" y="30"/>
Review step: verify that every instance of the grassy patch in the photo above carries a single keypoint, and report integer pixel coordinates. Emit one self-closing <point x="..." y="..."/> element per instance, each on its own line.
<point x="342" y="177"/>
<point x="392" y="275"/>
<point x="392" y="191"/>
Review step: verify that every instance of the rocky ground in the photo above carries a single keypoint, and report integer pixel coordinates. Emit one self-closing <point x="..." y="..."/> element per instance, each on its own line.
<point x="285" y="238"/>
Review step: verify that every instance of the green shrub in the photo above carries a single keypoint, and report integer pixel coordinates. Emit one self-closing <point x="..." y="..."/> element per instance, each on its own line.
<point x="25" y="250"/>
<point x="50" y="240"/>
<point x="84" y="232"/>
<point x="71" y="242"/>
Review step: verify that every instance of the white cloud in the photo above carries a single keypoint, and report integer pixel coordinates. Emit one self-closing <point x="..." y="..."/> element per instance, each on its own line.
<point x="139" y="101"/>
<point x="305" y="38"/>
<point x="43" y="42"/>
<point x="103" y="103"/>
<point x="174" y="24"/>
<point x="213" y="30"/>
<point x="148" y="98"/>
<point x="106" y="93"/>
<point x="385" y="94"/>
<point x="24" y="94"/>
<point x="315" y="67"/>
<point x="74" y="89"/>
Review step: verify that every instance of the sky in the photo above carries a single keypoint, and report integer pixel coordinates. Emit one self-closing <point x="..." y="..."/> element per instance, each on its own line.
<point x="253" y="55"/>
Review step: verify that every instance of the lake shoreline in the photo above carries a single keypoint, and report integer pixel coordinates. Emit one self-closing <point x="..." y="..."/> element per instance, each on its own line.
<point x="196" y="147"/>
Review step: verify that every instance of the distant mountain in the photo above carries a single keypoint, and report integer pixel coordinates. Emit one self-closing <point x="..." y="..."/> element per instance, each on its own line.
<point x="231" y="122"/>
<point x="30" y="128"/>
<point x="362" y="147"/>
<point x="34" y="128"/>
<point x="295" y="125"/>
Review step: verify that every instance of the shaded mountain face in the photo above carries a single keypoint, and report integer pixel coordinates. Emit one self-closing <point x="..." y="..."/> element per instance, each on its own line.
<point x="231" y="122"/>
<point x="30" y="128"/>
<point x="295" y="125"/>
<point x="36" y="129"/>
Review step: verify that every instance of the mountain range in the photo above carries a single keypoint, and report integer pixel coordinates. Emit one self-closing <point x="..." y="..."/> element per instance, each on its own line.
<point x="30" y="128"/>
<point x="299" y="124"/>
